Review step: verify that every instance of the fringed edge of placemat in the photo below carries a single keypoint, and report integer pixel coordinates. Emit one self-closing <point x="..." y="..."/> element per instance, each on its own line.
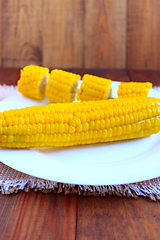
<point x="13" y="181"/>
<point x="148" y="189"/>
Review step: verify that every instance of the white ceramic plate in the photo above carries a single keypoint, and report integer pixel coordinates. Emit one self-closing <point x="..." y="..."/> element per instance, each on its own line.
<point x="97" y="164"/>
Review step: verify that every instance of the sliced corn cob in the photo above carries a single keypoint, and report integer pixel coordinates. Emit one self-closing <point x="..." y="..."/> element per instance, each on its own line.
<point x="65" y="124"/>
<point x="94" y="88"/>
<point x="62" y="86"/>
<point x="133" y="89"/>
<point x="33" y="81"/>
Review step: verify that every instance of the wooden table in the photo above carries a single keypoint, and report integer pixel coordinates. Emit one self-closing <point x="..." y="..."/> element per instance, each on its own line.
<point x="36" y="215"/>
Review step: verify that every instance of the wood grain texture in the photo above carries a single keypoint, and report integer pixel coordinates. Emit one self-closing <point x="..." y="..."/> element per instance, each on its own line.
<point x="114" y="218"/>
<point x="143" y="48"/>
<point x="22" y="36"/>
<point x="62" y="33"/>
<point x="9" y="76"/>
<point x="105" y="34"/>
<point x="145" y="76"/>
<point x="79" y="33"/>
<point x="113" y="74"/>
<point x="38" y="216"/>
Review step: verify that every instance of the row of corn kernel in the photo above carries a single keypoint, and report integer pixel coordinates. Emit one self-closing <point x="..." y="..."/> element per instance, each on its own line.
<point x="53" y="136"/>
<point x="114" y="108"/>
<point x="72" y="126"/>
<point x="80" y="122"/>
<point x="68" y="139"/>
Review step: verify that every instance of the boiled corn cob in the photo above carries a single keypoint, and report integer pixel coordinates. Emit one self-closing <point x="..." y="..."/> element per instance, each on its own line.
<point x="33" y="81"/>
<point x="94" y="88"/>
<point x="133" y="89"/>
<point x="65" y="124"/>
<point x="62" y="86"/>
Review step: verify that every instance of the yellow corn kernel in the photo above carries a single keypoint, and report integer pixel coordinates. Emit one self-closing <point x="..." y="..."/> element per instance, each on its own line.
<point x="85" y="127"/>
<point x="71" y="129"/>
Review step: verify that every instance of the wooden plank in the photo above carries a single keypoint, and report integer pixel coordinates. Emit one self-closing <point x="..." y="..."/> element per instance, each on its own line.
<point x="62" y="33"/>
<point x="22" y="36"/>
<point x="38" y="216"/>
<point x="117" y="218"/>
<point x="113" y="74"/>
<point x="9" y="76"/>
<point x="105" y="34"/>
<point x="145" y="76"/>
<point x="143" y="50"/>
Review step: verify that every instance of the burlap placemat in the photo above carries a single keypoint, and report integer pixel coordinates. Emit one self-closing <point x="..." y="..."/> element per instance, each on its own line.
<point x="11" y="181"/>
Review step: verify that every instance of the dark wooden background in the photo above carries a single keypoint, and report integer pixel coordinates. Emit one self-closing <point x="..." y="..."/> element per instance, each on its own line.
<point x="80" y="34"/>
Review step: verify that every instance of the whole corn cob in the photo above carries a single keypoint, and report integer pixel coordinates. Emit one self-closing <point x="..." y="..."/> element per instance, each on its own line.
<point x="66" y="124"/>
<point x="133" y="89"/>
<point x="62" y="86"/>
<point x="94" y="88"/>
<point x="33" y="81"/>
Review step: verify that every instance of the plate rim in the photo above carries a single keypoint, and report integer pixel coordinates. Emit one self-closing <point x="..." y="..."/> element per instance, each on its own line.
<point x="59" y="180"/>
